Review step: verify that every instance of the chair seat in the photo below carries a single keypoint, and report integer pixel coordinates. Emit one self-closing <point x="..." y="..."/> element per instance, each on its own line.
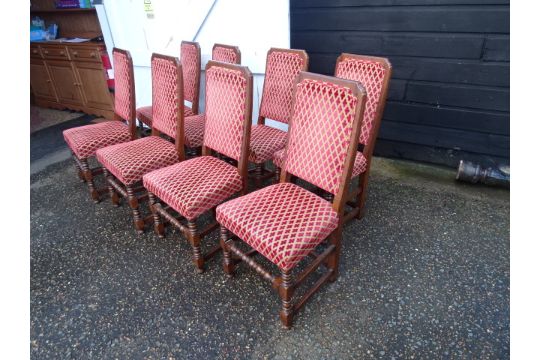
<point x="265" y="141"/>
<point x="194" y="186"/>
<point x="128" y="162"/>
<point x="144" y="114"/>
<point x="283" y="222"/>
<point x="194" y="130"/>
<point x="85" y="140"/>
<point x="360" y="163"/>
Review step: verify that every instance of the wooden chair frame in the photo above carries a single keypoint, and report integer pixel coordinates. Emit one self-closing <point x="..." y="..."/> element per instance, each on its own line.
<point x="195" y="102"/>
<point x="84" y="172"/>
<point x="357" y="197"/>
<point x="136" y="193"/>
<point x="233" y="48"/>
<point x="284" y="284"/>
<point x="189" y="227"/>
<point x="260" y="173"/>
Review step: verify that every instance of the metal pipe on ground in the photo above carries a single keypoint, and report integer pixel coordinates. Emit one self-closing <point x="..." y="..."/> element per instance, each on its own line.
<point x="474" y="173"/>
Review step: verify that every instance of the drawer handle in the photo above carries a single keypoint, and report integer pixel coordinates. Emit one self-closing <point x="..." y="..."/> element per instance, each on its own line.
<point x="34" y="51"/>
<point x="75" y="54"/>
<point x="46" y="51"/>
<point x="61" y="52"/>
<point x="93" y="54"/>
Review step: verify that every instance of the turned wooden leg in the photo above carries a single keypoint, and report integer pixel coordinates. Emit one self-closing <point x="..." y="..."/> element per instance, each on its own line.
<point x="159" y="229"/>
<point x="134" y="204"/>
<point x="362" y="195"/>
<point x="277" y="174"/>
<point x="259" y="171"/>
<point x="286" y="293"/>
<point x="333" y="259"/>
<point x="89" y="180"/>
<point x="112" y="192"/>
<point x="195" y="241"/>
<point x="80" y="173"/>
<point x="228" y="265"/>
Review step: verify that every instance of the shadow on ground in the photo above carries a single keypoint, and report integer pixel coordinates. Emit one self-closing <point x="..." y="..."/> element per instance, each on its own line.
<point x="425" y="274"/>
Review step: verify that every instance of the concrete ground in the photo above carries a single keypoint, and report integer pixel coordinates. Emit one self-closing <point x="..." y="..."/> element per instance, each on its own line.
<point x="424" y="275"/>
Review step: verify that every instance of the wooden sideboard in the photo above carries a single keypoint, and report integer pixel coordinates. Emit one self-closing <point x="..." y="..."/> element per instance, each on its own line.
<point x="70" y="76"/>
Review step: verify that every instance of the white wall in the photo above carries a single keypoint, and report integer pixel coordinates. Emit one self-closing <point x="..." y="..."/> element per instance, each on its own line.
<point x="252" y="25"/>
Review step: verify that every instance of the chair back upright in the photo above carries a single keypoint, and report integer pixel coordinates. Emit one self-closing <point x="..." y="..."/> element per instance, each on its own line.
<point x="190" y="57"/>
<point x="324" y="131"/>
<point x="282" y="68"/>
<point x="226" y="53"/>
<point x="229" y="91"/>
<point x="124" y="89"/>
<point x="167" y="104"/>
<point x="374" y="74"/>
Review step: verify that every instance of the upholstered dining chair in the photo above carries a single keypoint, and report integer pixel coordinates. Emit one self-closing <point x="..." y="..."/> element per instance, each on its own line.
<point x="226" y="53"/>
<point x="83" y="141"/>
<point x="196" y="186"/>
<point x="286" y="223"/>
<point x="190" y="57"/>
<point x="282" y="68"/>
<point x="374" y="74"/>
<point x="125" y="164"/>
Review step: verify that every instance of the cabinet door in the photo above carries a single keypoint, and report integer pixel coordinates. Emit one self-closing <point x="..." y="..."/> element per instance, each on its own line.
<point x="40" y="81"/>
<point x="94" y="85"/>
<point x="65" y="82"/>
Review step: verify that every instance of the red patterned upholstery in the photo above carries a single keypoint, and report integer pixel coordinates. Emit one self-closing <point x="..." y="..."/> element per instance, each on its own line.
<point x="165" y="96"/>
<point x="190" y="57"/>
<point x="225" y="54"/>
<point x="282" y="69"/>
<point x="371" y="75"/>
<point x="283" y="222"/>
<point x="194" y="130"/>
<point x="123" y="79"/>
<point x="226" y="92"/>
<point x="85" y="140"/>
<point x="320" y="132"/>
<point x="129" y="161"/>
<point x="144" y="114"/>
<point x="265" y="141"/>
<point x="360" y="162"/>
<point x="194" y="186"/>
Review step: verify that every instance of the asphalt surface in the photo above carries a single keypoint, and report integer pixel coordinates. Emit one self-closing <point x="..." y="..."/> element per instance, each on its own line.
<point x="424" y="275"/>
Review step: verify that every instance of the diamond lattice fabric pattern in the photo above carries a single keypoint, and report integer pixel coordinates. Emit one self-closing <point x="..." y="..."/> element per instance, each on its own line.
<point x="122" y="85"/>
<point x="165" y="96"/>
<point x="190" y="58"/>
<point x="320" y="133"/>
<point x="144" y="114"/>
<point x="85" y="140"/>
<point x="226" y="91"/>
<point x="128" y="162"/>
<point x="265" y="141"/>
<point x="371" y="75"/>
<point x="224" y="54"/>
<point x="360" y="162"/>
<point x="194" y="130"/>
<point x="194" y="186"/>
<point x="283" y="222"/>
<point x="282" y="68"/>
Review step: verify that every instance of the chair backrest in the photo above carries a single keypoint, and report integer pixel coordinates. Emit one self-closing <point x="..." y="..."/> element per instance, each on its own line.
<point x="124" y="87"/>
<point x="190" y="57"/>
<point x="167" y="95"/>
<point x="374" y="74"/>
<point x="282" y="68"/>
<point x="226" y="53"/>
<point x="323" y="135"/>
<point x="228" y="106"/>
